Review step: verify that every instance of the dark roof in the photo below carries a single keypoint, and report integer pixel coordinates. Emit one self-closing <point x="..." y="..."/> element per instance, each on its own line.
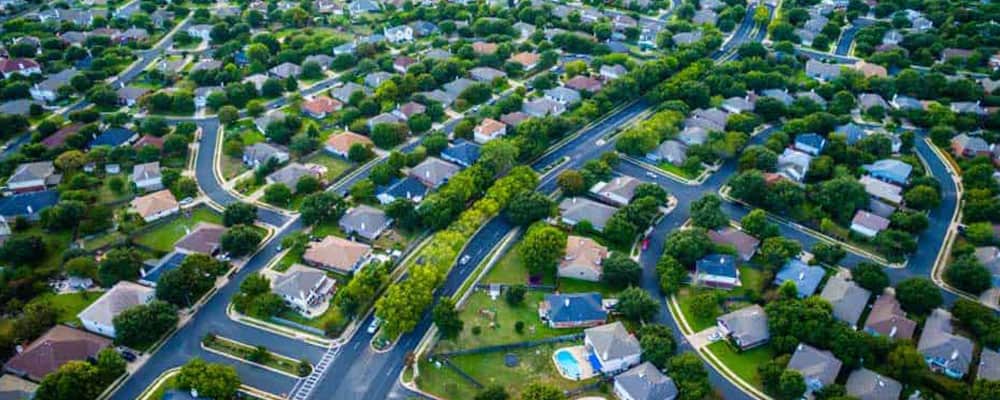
<point x="718" y="264"/>
<point x="169" y="262"/>
<point x="404" y="188"/>
<point x="113" y="137"/>
<point x="811" y="139"/>
<point x="18" y="204"/>
<point x="59" y="345"/>
<point x="575" y="307"/>
<point x="462" y="152"/>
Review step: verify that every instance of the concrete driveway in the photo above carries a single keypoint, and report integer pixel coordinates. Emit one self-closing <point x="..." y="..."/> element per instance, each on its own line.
<point x="701" y="339"/>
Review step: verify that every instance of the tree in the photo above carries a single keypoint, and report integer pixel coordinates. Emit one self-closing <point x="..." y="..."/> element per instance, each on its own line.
<point x="84" y="267"/>
<point x="278" y="194"/>
<point x="770" y="372"/>
<point x="363" y="191"/>
<point x="870" y="276"/>
<point x="321" y="207"/>
<point x="228" y="114"/>
<point x="23" y="249"/>
<point x="308" y="184"/>
<point x="968" y="274"/>
<point x="791" y="385"/>
<point x="706" y="212"/>
<point x="542" y="248"/>
<point x="70" y="161"/>
<point x="118" y="265"/>
<point x="75" y="380"/>
<point x="657" y="343"/>
<point x="240" y="240"/>
<point x="447" y="319"/>
<point x="498" y="156"/>
<point x="239" y="213"/>
<point x="688" y="246"/>
<point x="360" y="153"/>
<point x="689" y="374"/>
<point x="775" y="251"/>
<point x="387" y="136"/>
<point x="922" y="197"/>
<point x="493" y="392"/>
<point x="620" y="270"/>
<point x="528" y="207"/>
<point x="652" y="191"/>
<point x="985" y="390"/>
<point x="404" y="213"/>
<point x="637" y="305"/>
<point x="571" y="182"/>
<point x="705" y="305"/>
<point x="841" y="197"/>
<point x="184" y="285"/>
<point x="144" y="324"/>
<point x="36" y="318"/>
<point x="829" y="254"/>
<point x="515" y="294"/>
<point x="538" y="391"/>
<point x="672" y="274"/>
<point x="755" y="223"/>
<point x="184" y="187"/>
<point x="906" y="363"/>
<point x="110" y="365"/>
<point x="918" y="295"/>
<point x="213" y="381"/>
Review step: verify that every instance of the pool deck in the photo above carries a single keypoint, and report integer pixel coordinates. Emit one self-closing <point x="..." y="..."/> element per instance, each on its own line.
<point x="579" y="354"/>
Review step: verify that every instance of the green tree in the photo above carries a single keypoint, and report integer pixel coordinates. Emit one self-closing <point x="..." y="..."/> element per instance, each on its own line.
<point x="777" y="250"/>
<point x="791" y="385"/>
<point x="515" y="294"/>
<point x="528" y="207"/>
<point x="918" y="295"/>
<point x="228" y="114"/>
<point x="75" y="380"/>
<point x="870" y="276"/>
<point x="922" y="197"/>
<point x="705" y="305"/>
<point x="621" y="271"/>
<point x="498" y="156"/>
<point x="447" y="319"/>
<point x="36" y="318"/>
<point x="538" y="391"/>
<point x="985" y="390"/>
<point x="278" y="194"/>
<point x="144" y="324"/>
<point x="184" y="285"/>
<point x="756" y="224"/>
<point x="118" y="265"/>
<point x="239" y="213"/>
<point x="308" y="184"/>
<point x="240" y="240"/>
<point x="322" y="207"/>
<point x="493" y="392"/>
<point x="841" y="197"/>
<point x="829" y="254"/>
<point x="706" y="212"/>
<point x="657" y="343"/>
<point x="636" y="305"/>
<point x="905" y="363"/>
<point x="571" y="182"/>
<point x="360" y="153"/>
<point x="968" y="274"/>
<point x="672" y="274"/>
<point x="688" y="246"/>
<point x="542" y="248"/>
<point x="110" y="365"/>
<point x="689" y="374"/>
<point x="214" y="381"/>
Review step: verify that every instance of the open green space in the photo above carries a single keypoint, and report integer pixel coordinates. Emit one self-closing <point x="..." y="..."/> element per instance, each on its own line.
<point x="68" y="305"/>
<point x="745" y="363"/>
<point x="163" y="236"/>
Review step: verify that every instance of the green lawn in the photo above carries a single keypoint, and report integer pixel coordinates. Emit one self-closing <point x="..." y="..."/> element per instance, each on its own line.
<point x="232" y="167"/>
<point x="511" y="269"/>
<point x="164" y="236"/>
<point x="245" y="352"/>
<point x="332" y="321"/>
<point x="68" y="305"/>
<point x="743" y="363"/>
<point x="752" y="280"/>
<point x="678" y="170"/>
<point x="335" y="166"/>
<point x="56" y="243"/>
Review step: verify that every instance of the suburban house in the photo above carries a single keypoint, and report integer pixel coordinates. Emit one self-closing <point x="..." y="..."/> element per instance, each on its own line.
<point x="156" y="205"/>
<point x="888" y="319"/>
<point x="583" y="259"/>
<point x="865" y="384"/>
<point x="746" y="327"/>
<point x="462" y="152"/>
<point x="818" y="367"/>
<point x="285" y="70"/>
<point x="320" y="106"/>
<point x="484" y="47"/>
<point x="514" y="118"/>
<point x="644" y="382"/>
<point x="402" y="64"/>
<point x="408" y="188"/>
<point x="882" y="190"/>
<point x="736" y="104"/>
<point x="968" y="107"/>
<point x="717" y="271"/>
<point x="890" y="170"/>
<point x="868" y="224"/>
<point x="340" y="144"/>
<point x="810" y="143"/>
<point x="575" y="210"/>
<point x="822" y="71"/>
<point x="408" y="110"/>
<point x="989" y="365"/>
<point x="365" y="221"/>
<point x="114" y="137"/>
<point x="56" y="347"/>
<point x="33" y="177"/>
<point x="581" y="83"/>
<point x="572" y="310"/>
<point x="489" y="129"/>
<point x="671" y="151"/>
<point x="527" y="60"/>
<point x="745" y="245"/>
<point x="944" y="351"/>
<point x="901" y="102"/>
<point x="20" y="66"/>
<point x="201" y="31"/>
<point x="614" y="347"/>
<point x="147" y="177"/>
<point x="619" y="191"/>
<point x="612" y="72"/>
<point x="434" y="172"/>
<point x="305" y="290"/>
<point x="383" y="118"/>
<point x="48" y="89"/>
<point x="337" y="254"/>
<point x="98" y="317"/>
<point x="563" y="95"/>
<point x="374" y="79"/>
<point x="989" y="257"/>
<point x="793" y="164"/>
<point x="15" y="388"/>
<point x="259" y="153"/>
<point x="848" y="299"/>
<point x="486" y="74"/>
<point x="543" y="106"/>
<point x="290" y="174"/>
<point x="129" y="95"/>
<point x="398" y="34"/>
<point x="805" y="277"/>
<point x="152" y="270"/>
<point x="868" y="101"/>
<point x="206" y="238"/>
<point x="969" y="146"/>
<point x="28" y="205"/>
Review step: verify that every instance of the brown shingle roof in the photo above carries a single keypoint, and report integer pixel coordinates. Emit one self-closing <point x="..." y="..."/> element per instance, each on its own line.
<point x="343" y="142"/>
<point x="336" y="253"/>
<point x="59" y="345"/>
<point x="154" y="203"/>
<point x="205" y="238"/>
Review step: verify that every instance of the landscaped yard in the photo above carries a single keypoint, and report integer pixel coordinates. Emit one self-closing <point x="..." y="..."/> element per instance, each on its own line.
<point x="752" y="279"/>
<point x="335" y="166"/>
<point x="245" y="352"/>
<point x="68" y="305"/>
<point x="743" y="363"/>
<point x="332" y="321"/>
<point x="164" y="236"/>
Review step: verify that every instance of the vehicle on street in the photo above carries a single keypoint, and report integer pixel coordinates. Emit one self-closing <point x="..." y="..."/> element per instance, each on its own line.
<point x="373" y="327"/>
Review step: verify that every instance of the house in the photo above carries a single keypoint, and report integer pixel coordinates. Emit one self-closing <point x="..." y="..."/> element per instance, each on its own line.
<point x="14" y="388"/>
<point x="736" y="104"/>
<point x="882" y="190"/>
<point x="285" y="70"/>
<point x="989" y="257"/>
<point x="19" y="66"/>
<point x="364" y="221"/>
<point x="811" y="96"/>
<point x="152" y="270"/>
<point x="900" y="102"/>
<point x="363" y="6"/>
<point x="956" y="54"/>
<point x="528" y="60"/>
<point x="865" y="384"/>
<point x="582" y="83"/>
<point x="28" y="205"/>
<point x="320" y="106"/>
<point x="486" y="74"/>
<point x="793" y="164"/>
<point x="322" y="60"/>
<point x="703" y="17"/>
<point x="944" y="351"/>
<point x="809" y="143"/>
<point x="56" y="347"/>
<point x="671" y="151"/>
<point x="346" y="48"/>
<point x="33" y="177"/>
<point x="870" y="70"/>
<point x="892" y="37"/>
<point x="612" y="72"/>
<point x="525" y="29"/>
<point x="818" y="367"/>
<point x="848" y="299"/>
<point x="563" y="95"/>
<point x="890" y="170"/>
<point x="383" y="118"/>
<point x="744" y="244"/>
<point x="147" y="177"/>
<point x="644" y="382"/>
<point x="423" y="28"/>
<point x="888" y="319"/>
<point x="686" y="38"/>
<point x="59" y="137"/>
<point x="207" y="65"/>
<point x="402" y="64"/>
<point x="693" y="136"/>
<point x="514" y="118"/>
<point x="614" y="347"/>
<point x="574" y="310"/>
<point x="462" y="152"/>
<point x="48" y="89"/>
<point x="437" y="54"/>
<point x="851" y="132"/>
<point x="582" y="259"/>
<point x="337" y="254"/>
<point x="822" y="71"/>
<point x="408" y="110"/>
<point x="201" y="31"/>
<point x="868" y="224"/>
<point x="457" y="86"/>
<point x="398" y="34"/>
<point x="201" y="95"/>
<point x="805" y="277"/>
<point x="259" y="153"/>
<point x="20" y="107"/>
<point x="156" y="205"/>
<point x="344" y="92"/>
<point x="968" y="107"/>
<point x="434" y="172"/>
<point x="484" y="48"/>
<point x="407" y="188"/>
<point x="206" y="238"/>
<point x="340" y="144"/>
<point x="542" y="107"/>
<point x="488" y="130"/>
<point x="618" y="191"/>
<point x="374" y="79"/>
<point x="867" y="101"/>
<point x="303" y="289"/>
<point x="746" y="327"/>
<point x="114" y="137"/>
<point x="989" y="365"/>
<point x="575" y="210"/>
<point x="98" y="316"/>
<point x="129" y="95"/>
<point x="257" y="80"/>
<point x="717" y="271"/>
<point x="133" y="35"/>
<point x="779" y="94"/>
<point x="969" y="146"/>
<point x="290" y="174"/>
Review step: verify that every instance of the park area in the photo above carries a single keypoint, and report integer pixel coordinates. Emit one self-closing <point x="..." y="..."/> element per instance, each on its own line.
<point x="163" y="235"/>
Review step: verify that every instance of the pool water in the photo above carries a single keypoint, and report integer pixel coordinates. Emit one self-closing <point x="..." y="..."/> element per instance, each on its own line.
<point x="567" y="363"/>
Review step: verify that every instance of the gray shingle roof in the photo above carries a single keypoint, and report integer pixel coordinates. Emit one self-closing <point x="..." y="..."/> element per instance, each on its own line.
<point x="612" y="341"/>
<point x="578" y="209"/>
<point x="939" y="342"/>
<point x="365" y="221"/>
<point x="848" y="299"/>
<point x="818" y="367"/>
<point x="989" y="365"/>
<point x="869" y="385"/>
<point x="645" y="382"/>
<point x="747" y="325"/>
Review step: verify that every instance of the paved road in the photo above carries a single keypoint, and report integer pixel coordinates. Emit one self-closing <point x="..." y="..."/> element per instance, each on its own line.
<point x="847" y="37"/>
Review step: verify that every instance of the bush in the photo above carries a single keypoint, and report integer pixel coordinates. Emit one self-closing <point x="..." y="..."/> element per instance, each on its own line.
<point x="519" y="327"/>
<point x="515" y="294"/>
<point x="476" y="330"/>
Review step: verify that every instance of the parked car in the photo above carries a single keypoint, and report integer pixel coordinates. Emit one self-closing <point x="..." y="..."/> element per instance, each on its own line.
<point x="373" y="327"/>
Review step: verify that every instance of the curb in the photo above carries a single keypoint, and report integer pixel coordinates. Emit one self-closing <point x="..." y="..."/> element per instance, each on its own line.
<point x="245" y="361"/>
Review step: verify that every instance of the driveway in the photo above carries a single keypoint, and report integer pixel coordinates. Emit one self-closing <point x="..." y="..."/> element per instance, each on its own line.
<point x="702" y="339"/>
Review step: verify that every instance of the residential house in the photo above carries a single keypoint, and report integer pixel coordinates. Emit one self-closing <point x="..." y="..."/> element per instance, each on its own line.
<point x="574" y="310"/>
<point x="809" y="143"/>
<point x="59" y="137"/>
<point x="780" y="95"/>
<point x="33" y="177"/>
<point x="375" y="79"/>
<point x="59" y="345"/>
<point x="28" y="205"/>
<point x="205" y="238"/>
<point x="152" y="270"/>
<point x="888" y="319"/>
<point x="407" y="188"/>
<point x="114" y="137"/>
<point x="618" y="191"/>
<point x="969" y="146"/>
<point x="882" y="190"/>
<point x="868" y="224"/>
<point x="383" y="118"/>
<point x="811" y="96"/>
<point x="870" y="70"/>
<point x="358" y="7"/>
<point x="644" y="382"/>
<point x="614" y="347"/>
<point x="819" y="368"/>
<point x="890" y="170"/>
<point x="705" y="17"/>
<point x="575" y="210"/>
<point x="488" y="130"/>
<point x="19" y="66"/>
<point x="968" y="107"/>
<point x="340" y="144"/>
<point x="805" y="277"/>
<point x="462" y="152"/>
<point x="201" y="31"/>
<point x="423" y="28"/>
<point x="434" y="172"/>
<point x="900" y="102"/>
<point x="525" y="30"/>
<point x="892" y="36"/>
<point x="408" y="110"/>
<point x="943" y="350"/>
<point x="456" y="87"/>
<point x="582" y="259"/>
<point x="320" y="106"/>
<point x="365" y="222"/>
<point x="129" y="95"/>
<point x="848" y="299"/>
<point x="955" y="54"/>
<point x="746" y="327"/>
<point x="257" y="80"/>
<point x="14" y="388"/>
<point x="201" y="95"/>
<point x="484" y="48"/>
<point x="402" y="64"/>
<point x="717" y="271"/>
<point x="147" y="177"/>
<point x="132" y="35"/>
<point x="98" y="316"/>
<point x="437" y="54"/>
<point x="671" y="151"/>
<point x="581" y="83"/>
<point x="822" y="71"/>
<point x="611" y="72"/>
<point x="346" y="48"/>
<point x="989" y="365"/>
<point x="693" y="135"/>
<point x="736" y="105"/>
<point x="48" y="89"/>
<point x="337" y="254"/>
<point x="285" y="70"/>
<point x="303" y="289"/>
<point x="686" y="38"/>
<point x="259" y="153"/>
<point x="528" y="60"/>
<point x="865" y="384"/>
<point x="867" y="101"/>
<point x="745" y="245"/>
<point x="290" y="174"/>
<point x="486" y="74"/>
<point x="514" y="118"/>
<point x="344" y="92"/>
<point x="542" y="107"/>
<point x="156" y="205"/>
<point x="852" y="132"/>
<point x="793" y="164"/>
<point x="322" y="60"/>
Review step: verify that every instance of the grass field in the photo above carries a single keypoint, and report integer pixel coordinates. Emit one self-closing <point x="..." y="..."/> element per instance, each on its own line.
<point x="335" y="166"/>
<point x="743" y="363"/>
<point x="68" y="305"/>
<point x="164" y="236"/>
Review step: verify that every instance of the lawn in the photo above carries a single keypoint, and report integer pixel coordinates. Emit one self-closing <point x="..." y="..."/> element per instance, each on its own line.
<point x="335" y="166"/>
<point x="56" y="243"/>
<point x="68" y="305"/>
<point x="752" y="281"/>
<point x="678" y="170"/>
<point x="106" y="195"/>
<point x="164" y="236"/>
<point x="497" y="320"/>
<point x="743" y="363"/>
<point x="246" y="352"/>
<point x="232" y="167"/>
<point x="511" y="269"/>
<point x="332" y="318"/>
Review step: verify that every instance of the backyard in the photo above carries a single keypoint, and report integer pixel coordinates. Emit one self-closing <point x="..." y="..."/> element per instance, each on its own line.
<point x="68" y="305"/>
<point x="752" y="279"/>
<point x="745" y="363"/>
<point x="247" y="134"/>
<point x="335" y="166"/>
<point x="510" y="269"/>
<point x="163" y="236"/>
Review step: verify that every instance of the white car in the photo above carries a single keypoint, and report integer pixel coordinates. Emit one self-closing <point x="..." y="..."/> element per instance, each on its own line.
<point x="373" y="327"/>
<point x="651" y="175"/>
<point x="464" y="260"/>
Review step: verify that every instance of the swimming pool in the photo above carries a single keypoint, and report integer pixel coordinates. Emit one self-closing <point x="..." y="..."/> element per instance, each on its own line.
<point x="567" y="363"/>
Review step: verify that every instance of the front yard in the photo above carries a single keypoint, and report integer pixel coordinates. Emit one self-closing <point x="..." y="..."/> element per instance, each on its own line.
<point x="163" y="236"/>
<point x="752" y="279"/>
<point x="744" y="364"/>
<point x="68" y="305"/>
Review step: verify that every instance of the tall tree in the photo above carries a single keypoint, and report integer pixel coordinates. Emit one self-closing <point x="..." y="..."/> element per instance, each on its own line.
<point x="706" y="212"/>
<point x="542" y="248"/>
<point x="446" y="318"/>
